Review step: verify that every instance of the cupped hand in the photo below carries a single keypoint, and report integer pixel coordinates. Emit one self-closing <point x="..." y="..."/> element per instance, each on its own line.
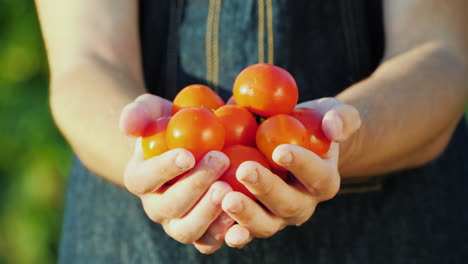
<point x="190" y="209"/>
<point x="290" y="203"/>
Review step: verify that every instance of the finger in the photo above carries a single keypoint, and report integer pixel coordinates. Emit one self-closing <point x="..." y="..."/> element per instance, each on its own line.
<point x="238" y="236"/>
<point x="340" y="122"/>
<point x="145" y="176"/>
<point x="251" y="215"/>
<point x="136" y="116"/>
<point x="179" y="198"/>
<point x="282" y="199"/>
<point x="319" y="177"/>
<point x="193" y="225"/>
<point x="213" y="239"/>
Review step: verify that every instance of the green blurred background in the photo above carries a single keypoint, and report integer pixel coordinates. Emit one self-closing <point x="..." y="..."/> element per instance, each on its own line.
<point x="34" y="158"/>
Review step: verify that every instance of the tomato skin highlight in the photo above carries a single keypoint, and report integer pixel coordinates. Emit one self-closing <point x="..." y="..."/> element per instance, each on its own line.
<point x="312" y="121"/>
<point x="277" y="130"/>
<point x="153" y="142"/>
<point x="239" y="124"/>
<point x="266" y="90"/>
<point x="196" y="95"/>
<point x="197" y="130"/>
<point x="238" y="154"/>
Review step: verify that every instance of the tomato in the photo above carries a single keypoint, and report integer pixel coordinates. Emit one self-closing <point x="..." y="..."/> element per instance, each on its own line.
<point x="231" y="101"/>
<point x="196" y="95"/>
<point x="266" y="90"/>
<point x="238" y="154"/>
<point x="312" y="121"/>
<point x="277" y="130"/>
<point x="195" y="129"/>
<point x="240" y="125"/>
<point x="154" y="141"/>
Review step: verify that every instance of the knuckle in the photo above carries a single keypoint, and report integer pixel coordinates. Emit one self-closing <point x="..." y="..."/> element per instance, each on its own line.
<point x="132" y="185"/>
<point x="143" y="97"/>
<point x="207" y="250"/>
<point x="183" y="237"/>
<point x="303" y="217"/>
<point x="291" y="211"/>
<point x="170" y="211"/>
<point x="152" y="214"/>
<point x="266" y="233"/>
<point x="265" y="190"/>
<point x="199" y="185"/>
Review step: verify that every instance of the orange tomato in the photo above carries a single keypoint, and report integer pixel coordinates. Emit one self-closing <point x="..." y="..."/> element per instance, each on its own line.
<point x="239" y="124"/>
<point x="238" y="154"/>
<point x="277" y="130"/>
<point x="196" y="95"/>
<point x="312" y="121"/>
<point x="266" y="90"/>
<point x="195" y="129"/>
<point x="155" y="143"/>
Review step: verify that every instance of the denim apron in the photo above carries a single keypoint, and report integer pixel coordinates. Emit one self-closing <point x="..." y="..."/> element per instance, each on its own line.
<point x="411" y="216"/>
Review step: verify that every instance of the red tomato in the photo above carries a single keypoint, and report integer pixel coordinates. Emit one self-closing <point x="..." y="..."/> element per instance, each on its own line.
<point x="195" y="129"/>
<point x="154" y="143"/>
<point x="312" y="121"/>
<point x="266" y="90"/>
<point x="196" y="95"/>
<point x="277" y="130"/>
<point x="237" y="154"/>
<point x="240" y="125"/>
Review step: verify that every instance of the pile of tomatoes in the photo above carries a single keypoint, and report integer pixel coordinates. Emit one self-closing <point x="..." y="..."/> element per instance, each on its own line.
<point x="260" y="116"/>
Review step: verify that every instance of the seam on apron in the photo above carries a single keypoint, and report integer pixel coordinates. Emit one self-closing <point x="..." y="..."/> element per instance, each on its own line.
<point x="271" y="50"/>
<point x="212" y="43"/>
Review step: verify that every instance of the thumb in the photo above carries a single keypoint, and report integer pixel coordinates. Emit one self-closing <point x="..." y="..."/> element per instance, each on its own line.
<point x="340" y="122"/>
<point x="139" y="114"/>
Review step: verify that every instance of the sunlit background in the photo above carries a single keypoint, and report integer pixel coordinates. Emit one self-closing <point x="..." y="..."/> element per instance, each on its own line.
<point x="34" y="158"/>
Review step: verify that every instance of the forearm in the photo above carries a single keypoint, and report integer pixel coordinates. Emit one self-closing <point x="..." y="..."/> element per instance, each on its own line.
<point x="409" y="108"/>
<point x="86" y="102"/>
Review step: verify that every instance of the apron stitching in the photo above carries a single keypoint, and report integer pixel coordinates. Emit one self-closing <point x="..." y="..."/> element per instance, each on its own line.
<point x="261" y="28"/>
<point x="217" y="17"/>
<point x="208" y="42"/>
<point x="271" y="50"/>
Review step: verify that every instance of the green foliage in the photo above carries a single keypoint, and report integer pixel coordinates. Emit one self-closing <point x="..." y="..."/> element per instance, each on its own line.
<point x="34" y="158"/>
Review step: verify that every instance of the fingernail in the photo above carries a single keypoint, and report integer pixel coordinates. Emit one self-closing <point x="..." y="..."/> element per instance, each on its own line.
<point x="235" y="207"/>
<point x="183" y="162"/>
<point x="251" y="177"/>
<point x="239" y="238"/>
<point x="214" y="162"/>
<point x="217" y="196"/>
<point x="338" y="127"/>
<point x="286" y="158"/>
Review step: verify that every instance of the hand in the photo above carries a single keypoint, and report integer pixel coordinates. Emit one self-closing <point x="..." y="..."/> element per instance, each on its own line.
<point x="293" y="203"/>
<point x="190" y="209"/>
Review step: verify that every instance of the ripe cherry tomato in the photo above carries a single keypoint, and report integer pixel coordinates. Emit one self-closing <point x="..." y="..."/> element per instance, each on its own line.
<point x="237" y="154"/>
<point x="266" y="90"/>
<point x="277" y="130"/>
<point x="154" y="141"/>
<point x="312" y="121"/>
<point x="195" y="129"/>
<point x="240" y="125"/>
<point x="196" y="95"/>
